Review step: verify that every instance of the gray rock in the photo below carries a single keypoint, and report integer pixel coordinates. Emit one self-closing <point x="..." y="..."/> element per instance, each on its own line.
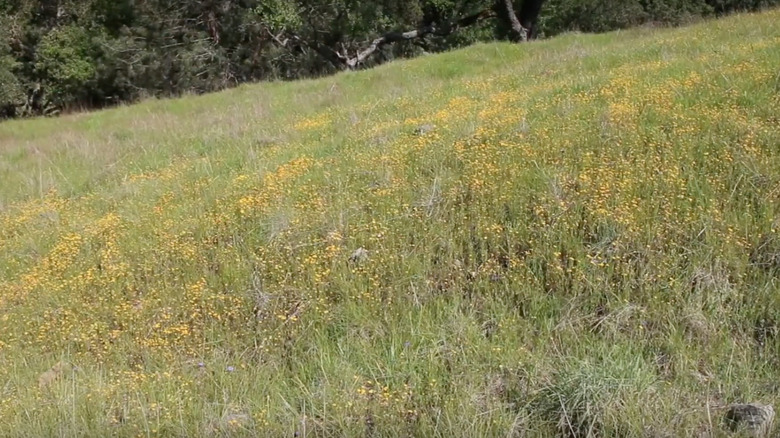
<point x="424" y="129"/>
<point x="360" y="255"/>
<point x="754" y="418"/>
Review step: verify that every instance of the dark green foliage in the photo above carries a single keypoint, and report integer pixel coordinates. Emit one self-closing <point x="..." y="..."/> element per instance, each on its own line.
<point x="11" y="92"/>
<point x="675" y="11"/>
<point x="591" y="15"/>
<point x="721" y="6"/>
<point x="65" y="65"/>
<point x="93" y="53"/>
<point x="603" y="15"/>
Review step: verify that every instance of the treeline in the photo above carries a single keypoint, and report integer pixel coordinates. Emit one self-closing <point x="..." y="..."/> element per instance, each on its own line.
<point x="61" y="54"/>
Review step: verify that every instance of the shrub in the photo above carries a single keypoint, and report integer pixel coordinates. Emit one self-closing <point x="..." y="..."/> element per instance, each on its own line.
<point x="590" y="15"/>
<point x="11" y="93"/>
<point x="65" y="61"/>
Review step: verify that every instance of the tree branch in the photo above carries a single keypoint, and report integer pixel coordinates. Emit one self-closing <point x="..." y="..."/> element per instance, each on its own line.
<point x="335" y="58"/>
<point x="341" y="58"/>
<point x="388" y="38"/>
<point x="432" y="29"/>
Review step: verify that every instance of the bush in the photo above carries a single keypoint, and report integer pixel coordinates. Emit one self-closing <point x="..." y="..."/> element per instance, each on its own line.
<point x="65" y="63"/>
<point x="590" y="15"/>
<point x="676" y="11"/>
<point x="11" y="92"/>
<point x="721" y="6"/>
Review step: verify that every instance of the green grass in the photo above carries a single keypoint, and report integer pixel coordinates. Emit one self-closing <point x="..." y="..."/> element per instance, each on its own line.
<point x="586" y="242"/>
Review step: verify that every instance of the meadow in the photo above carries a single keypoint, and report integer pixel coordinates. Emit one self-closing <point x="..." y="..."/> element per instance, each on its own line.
<point x="572" y="237"/>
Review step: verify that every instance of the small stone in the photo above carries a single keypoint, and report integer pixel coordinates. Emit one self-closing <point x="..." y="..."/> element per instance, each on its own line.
<point x="360" y="255"/>
<point x="754" y="418"/>
<point x="424" y="129"/>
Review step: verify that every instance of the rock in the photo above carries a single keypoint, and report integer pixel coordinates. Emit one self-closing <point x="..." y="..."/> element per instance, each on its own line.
<point x="424" y="129"/>
<point x="754" y="418"/>
<point x="360" y="255"/>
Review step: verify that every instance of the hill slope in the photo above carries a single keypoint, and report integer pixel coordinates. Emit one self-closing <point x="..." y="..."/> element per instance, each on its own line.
<point x="578" y="235"/>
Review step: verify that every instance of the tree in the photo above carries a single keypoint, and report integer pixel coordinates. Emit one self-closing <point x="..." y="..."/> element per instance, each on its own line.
<point x="93" y="53"/>
<point x="524" y="26"/>
<point x="11" y="91"/>
<point x="348" y="33"/>
<point x="65" y="65"/>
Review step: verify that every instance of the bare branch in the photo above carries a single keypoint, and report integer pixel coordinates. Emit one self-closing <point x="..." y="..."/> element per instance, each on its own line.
<point x="278" y="38"/>
<point x="340" y="57"/>
<point x="335" y="58"/>
<point x="433" y="29"/>
<point x="392" y="37"/>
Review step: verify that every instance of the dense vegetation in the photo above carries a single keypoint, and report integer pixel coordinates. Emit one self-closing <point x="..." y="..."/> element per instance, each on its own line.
<point x="576" y="237"/>
<point x="91" y="53"/>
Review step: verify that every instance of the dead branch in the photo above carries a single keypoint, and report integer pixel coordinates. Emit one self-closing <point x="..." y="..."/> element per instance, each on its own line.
<point x="342" y="59"/>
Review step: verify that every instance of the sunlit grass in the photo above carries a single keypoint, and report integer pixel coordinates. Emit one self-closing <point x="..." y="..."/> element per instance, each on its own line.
<point x="577" y="235"/>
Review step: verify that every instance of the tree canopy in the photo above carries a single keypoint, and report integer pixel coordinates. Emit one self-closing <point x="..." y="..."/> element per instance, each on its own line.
<point x="62" y="54"/>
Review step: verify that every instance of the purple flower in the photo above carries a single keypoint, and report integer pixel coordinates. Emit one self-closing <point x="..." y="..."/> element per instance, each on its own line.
<point x="201" y="365"/>
<point x="407" y="344"/>
<point x="230" y="369"/>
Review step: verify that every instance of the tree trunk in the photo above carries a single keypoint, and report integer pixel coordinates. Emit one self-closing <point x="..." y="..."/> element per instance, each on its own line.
<point x="529" y="15"/>
<point x="519" y="31"/>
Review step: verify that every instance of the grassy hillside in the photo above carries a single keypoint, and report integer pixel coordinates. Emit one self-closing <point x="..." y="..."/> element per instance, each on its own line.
<point x="573" y="236"/>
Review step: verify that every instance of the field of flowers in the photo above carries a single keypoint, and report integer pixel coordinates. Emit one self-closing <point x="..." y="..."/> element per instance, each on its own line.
<point x="576" y="236"/>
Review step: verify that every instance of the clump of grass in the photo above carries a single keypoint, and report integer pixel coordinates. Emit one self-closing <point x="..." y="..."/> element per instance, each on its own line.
<point x="598" y="396"/>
